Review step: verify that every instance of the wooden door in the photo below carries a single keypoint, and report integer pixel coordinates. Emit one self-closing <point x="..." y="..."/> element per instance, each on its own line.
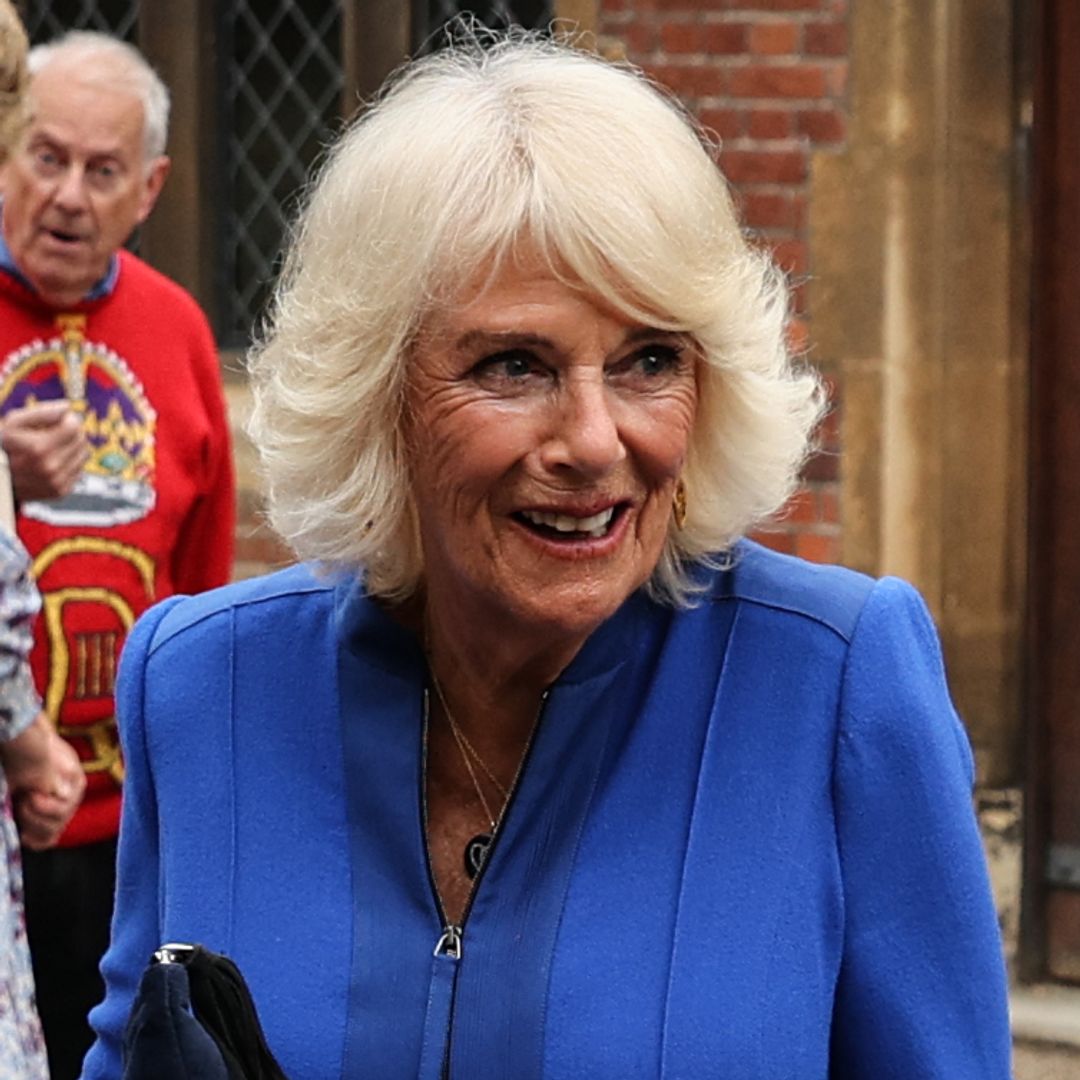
<point x="1051" y="921"/>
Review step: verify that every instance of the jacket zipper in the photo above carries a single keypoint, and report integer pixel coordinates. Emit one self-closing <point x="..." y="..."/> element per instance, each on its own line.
<point x="450" y="946"/>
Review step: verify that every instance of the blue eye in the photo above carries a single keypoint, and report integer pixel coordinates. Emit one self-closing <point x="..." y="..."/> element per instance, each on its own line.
<point x="104" y="175"/>
<point x="657" y="359"/>
<point x="513" y="365"/>
<point x="649" y="362"/>
<point x="46" y="161"/>
<point x="652" y="366"/>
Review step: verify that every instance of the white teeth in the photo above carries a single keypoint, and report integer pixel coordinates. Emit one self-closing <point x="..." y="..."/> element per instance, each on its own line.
<point x="594" y="526"/>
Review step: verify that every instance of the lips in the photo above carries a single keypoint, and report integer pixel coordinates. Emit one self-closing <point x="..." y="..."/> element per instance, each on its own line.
<point x="569" y="526"/>
<point x="63" y="237"/>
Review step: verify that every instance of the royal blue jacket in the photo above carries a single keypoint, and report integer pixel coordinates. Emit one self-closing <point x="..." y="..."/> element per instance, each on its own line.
<point x="742" y="845"/>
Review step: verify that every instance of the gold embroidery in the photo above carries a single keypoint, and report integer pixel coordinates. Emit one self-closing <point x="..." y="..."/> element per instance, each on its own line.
<point x="80" y="648"/>
<point x="73" y="334"/>
<point x="96" y="545"/>
<point x="95" y="651"/>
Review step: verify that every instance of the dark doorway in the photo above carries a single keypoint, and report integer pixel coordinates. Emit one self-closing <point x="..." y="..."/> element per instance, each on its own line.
<point x="1051" y="919"/>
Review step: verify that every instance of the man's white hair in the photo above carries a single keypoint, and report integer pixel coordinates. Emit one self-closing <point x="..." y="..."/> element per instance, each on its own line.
<point x="114" y="63"/>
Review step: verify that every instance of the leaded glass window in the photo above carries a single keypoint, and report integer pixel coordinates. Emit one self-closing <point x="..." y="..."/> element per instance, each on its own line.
<point x="47" y="18"/>
<point x="273" y="75"/>
<point x="282" y="84"/>
<point x="430" y="16"/>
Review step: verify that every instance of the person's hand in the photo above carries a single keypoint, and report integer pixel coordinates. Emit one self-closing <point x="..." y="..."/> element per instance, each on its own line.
<point x="43" y="815"/>
<point x="46" y="781"/>
<point x="46" y="449"/>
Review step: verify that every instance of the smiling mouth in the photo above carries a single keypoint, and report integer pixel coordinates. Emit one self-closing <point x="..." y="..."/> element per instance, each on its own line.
<point x="566" y="527"/>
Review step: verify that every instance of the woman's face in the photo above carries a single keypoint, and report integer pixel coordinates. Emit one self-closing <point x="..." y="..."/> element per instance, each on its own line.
<point x="547" y="432"/>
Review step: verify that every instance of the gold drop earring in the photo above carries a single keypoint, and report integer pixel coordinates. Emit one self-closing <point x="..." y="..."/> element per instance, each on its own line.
<point x="678" y="504"/>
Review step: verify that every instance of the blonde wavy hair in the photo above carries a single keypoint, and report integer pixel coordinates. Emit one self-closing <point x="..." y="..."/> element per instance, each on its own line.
<point x="467" y="154"/>
<point x="13" y="78"/>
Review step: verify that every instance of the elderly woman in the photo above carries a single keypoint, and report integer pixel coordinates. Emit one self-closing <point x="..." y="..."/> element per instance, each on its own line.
<point x="39" y="772"/>
<point x="535" y="768"/>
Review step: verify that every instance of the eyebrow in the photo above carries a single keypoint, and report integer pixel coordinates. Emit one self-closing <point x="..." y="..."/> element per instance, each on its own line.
<point x="473" y="340"/>
<point x="43" y="135"/>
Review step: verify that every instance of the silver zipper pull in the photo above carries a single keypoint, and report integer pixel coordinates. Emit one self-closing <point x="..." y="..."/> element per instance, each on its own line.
<point x="173" y="952"/>
<point x="450" y="943"/>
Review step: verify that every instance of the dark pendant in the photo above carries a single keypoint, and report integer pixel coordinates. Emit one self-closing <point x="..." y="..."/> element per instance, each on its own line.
<point x="475" y="853"/>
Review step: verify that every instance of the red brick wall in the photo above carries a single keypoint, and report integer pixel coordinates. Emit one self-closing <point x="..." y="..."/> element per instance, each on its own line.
<point x="769" y="78"/>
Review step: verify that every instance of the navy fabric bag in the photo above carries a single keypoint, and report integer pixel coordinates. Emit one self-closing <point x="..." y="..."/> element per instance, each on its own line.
<point x="194" y="1019"/>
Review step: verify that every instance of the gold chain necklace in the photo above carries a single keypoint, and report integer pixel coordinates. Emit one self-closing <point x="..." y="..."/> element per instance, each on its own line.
<point x="476" y="849"/>
<point x="467" y="749"/>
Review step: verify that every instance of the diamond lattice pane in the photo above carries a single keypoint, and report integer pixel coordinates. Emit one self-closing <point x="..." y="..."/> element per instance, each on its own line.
<point x="283" y="81"/>
<point x="46" y="19"/>
<point x="529" y="13"/>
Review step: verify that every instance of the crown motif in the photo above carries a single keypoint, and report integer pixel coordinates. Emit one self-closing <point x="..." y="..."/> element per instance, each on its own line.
<point x="120" y="448"/>
<point x="117" y="480"/>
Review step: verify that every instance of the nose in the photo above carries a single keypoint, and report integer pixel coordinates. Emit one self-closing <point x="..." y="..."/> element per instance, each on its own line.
<point x="584" y="436"/>
<point x="70" y="191"/>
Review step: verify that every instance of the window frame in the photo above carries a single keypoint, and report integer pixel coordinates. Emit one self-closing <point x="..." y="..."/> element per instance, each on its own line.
<point x="181" y="237"/>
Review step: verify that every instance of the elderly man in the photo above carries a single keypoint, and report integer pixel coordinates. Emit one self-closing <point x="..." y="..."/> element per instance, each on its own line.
<point x="114" y="424"/>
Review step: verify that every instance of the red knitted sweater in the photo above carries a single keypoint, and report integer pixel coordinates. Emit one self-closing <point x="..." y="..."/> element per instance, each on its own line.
<point x="153" y="511"/>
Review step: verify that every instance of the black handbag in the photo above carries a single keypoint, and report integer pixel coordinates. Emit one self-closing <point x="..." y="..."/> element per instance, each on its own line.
<point x="194" y="1019"/>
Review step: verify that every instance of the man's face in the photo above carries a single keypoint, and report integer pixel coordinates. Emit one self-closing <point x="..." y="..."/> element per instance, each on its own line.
<point x="78" y="183"/>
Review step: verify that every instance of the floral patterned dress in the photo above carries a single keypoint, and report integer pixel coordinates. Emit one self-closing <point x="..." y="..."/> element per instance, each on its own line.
<point x="22" y="1048"/>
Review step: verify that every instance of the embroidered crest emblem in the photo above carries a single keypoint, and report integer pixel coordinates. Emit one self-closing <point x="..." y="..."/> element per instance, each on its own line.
<point x="117" y="482"/>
